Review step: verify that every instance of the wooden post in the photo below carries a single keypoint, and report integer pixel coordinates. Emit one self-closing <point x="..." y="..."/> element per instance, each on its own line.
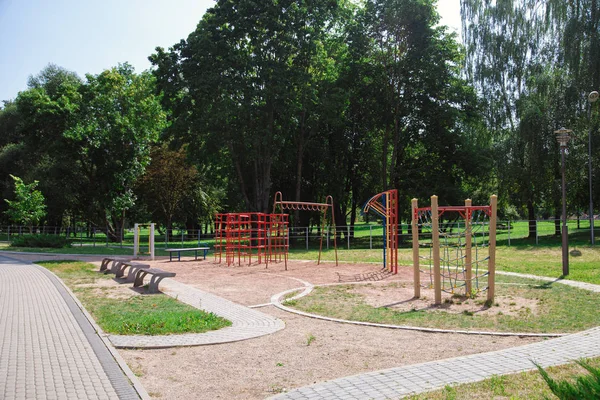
<point x="492" y="249"/>
<point x="136" y="240"/>
<point x="468" y="247"/>
<point x="151" y="241"/>
<point x="435" y="234"/>
<point x="415" y="246"/>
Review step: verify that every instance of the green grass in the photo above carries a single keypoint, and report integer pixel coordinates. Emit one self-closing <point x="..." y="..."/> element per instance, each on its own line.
<point x="522" y="386"/>
<point x="523" y="255"/>
<point x="560" y="308"/>
<point x="131" y="315"/>
<point x="522" y="258"/>
<point x="87" y="250"/>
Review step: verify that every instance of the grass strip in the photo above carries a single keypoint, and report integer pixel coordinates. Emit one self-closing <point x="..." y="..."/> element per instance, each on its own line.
<point x="521" y="386"/>
<point x="120" y="314"/>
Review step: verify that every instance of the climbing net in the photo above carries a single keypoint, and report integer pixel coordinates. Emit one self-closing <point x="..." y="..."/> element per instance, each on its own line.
<point x="461" y="244"/>
<point x="453" y="251"/>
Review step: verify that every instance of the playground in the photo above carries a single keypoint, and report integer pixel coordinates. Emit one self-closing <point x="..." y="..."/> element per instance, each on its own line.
<point x="426" y="293"/>
<point x="308" y="350"/>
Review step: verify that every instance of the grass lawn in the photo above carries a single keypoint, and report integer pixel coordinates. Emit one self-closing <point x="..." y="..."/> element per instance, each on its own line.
<point x="521" y="386"/>
<point x="521" y="305"/>
<point x="121" y="314"/>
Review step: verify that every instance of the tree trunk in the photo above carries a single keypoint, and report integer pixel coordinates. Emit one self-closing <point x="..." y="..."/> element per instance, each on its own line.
<point x="299" y="162"/>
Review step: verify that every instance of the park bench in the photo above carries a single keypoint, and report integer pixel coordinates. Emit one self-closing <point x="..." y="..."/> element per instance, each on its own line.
<point x="104" y="266"/>
<point x="194" y="249"/>
<point x="157" y="276"/>
<point x="119" y="265"/>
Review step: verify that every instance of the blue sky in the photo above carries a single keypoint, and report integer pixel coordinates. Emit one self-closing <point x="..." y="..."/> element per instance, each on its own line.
<point x="88" y="36"/>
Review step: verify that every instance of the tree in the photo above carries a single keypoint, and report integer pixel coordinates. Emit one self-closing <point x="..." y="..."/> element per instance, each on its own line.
<point x="425" y="111"/>
<point x="520" y="59"/>
<point x="248" y="72"/>
<point x="37" y="120"/>
<point x="28" y="206"/>
<point x="166" y="184"/>
<point x="118" y="121"/>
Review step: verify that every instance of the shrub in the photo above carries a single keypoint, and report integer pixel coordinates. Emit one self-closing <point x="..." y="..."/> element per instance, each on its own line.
<point x="54" y="241"/>
<point x="583" y="388"/>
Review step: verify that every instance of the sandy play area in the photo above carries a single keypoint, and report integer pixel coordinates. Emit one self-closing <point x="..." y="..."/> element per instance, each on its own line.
<point x="305" y="352"/>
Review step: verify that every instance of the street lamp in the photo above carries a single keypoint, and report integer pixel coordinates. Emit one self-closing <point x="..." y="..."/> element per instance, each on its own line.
<point x="562" y="135"/>
<point x="592" y="97"/>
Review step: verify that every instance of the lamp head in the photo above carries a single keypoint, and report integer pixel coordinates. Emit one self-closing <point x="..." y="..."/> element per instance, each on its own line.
<point x="593" y="96"/>
<point x="563" y="136"/>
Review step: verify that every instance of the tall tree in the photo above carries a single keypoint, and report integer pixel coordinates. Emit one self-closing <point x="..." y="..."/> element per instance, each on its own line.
<point x="249" y="72"/>
<point x="525" y="59"/>
<point x="425" y="108"/>
<point x="118" y="121"/>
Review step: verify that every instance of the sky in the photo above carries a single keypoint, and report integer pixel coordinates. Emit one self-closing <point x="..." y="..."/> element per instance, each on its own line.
<point x="89" y="36"/>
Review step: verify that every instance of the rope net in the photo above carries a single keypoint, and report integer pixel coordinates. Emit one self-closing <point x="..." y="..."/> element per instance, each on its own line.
<point x="454" y="245"/>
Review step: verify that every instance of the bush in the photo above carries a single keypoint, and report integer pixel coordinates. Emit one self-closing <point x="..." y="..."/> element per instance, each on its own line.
<point x="585" y="387"/>
<point x="54" y="241"/>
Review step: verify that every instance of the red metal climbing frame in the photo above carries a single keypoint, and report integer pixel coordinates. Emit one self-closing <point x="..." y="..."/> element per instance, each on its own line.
<point x="244" y="236"/>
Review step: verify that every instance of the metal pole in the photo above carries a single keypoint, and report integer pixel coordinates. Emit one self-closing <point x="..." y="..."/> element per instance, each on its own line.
<point x="371" y="237"/>
<point x="591" y="214"/>
<point x="565" y="229"/>
<point x="348" y="235"/>
<point x="307" y="238"/>
<point x="591" y="98"/>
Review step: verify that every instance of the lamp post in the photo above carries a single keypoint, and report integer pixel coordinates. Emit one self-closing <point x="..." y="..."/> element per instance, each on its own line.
<point x="592" y="97"/>
<point x="562" y="135"/>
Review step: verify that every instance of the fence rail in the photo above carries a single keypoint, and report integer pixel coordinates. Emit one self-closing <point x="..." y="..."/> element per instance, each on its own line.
<point x="360" y="236"/>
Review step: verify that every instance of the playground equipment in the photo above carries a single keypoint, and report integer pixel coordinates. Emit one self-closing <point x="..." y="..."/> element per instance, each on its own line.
<point x="136" y="240"/>
<point x="244" y="236"/>
<point x="304" y="206"/>
<point x="451" y="262"/>
<point x="385" y="205"/>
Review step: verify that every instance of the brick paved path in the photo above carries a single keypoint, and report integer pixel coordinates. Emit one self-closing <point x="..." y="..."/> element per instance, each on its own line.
<point x="246" y="322"/>
<point x="48" y="348"/>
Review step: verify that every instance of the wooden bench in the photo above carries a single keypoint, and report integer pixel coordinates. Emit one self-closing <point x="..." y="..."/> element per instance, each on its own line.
<point x="157" y="276"/>
<point x="194" y="249"/>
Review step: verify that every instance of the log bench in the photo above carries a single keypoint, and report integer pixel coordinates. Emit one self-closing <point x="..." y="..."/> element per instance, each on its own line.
<point x="157" y="276"/>
<point x="194" y="249"/>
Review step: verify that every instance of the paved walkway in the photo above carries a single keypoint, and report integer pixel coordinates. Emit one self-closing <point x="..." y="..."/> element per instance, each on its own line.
<point x="246" y="323"/>
<point x="48" y="348"/>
